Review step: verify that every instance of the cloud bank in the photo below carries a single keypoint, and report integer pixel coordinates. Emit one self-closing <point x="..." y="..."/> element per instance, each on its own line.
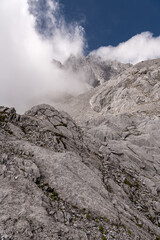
<point x="27" y="74"/>
<point x="140" y="47"/>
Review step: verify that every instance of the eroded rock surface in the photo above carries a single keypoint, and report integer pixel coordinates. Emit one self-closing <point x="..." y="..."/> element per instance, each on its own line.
<point x="98" y="181"/>
<point x="135" y="89"/>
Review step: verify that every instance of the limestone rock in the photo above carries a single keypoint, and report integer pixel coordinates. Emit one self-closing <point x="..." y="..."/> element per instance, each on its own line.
<point x="135" y="89"/>
<point x="99" y="179"/>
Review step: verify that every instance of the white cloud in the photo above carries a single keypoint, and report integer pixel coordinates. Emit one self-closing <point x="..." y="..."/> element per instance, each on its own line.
<point x="27" y="75"/>
<point x="140" y="47"/>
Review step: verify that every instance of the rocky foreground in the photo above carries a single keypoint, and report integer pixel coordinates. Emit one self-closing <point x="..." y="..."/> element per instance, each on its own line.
<point x="98" y="180"/>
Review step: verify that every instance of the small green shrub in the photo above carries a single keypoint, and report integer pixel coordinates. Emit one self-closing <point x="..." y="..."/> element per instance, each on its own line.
<point x="101" y="228"/>
<point x="127" y="183"/>
<point x="88" y="217"/>
<point x="2" y="118"/>
<point x="104" y="238"/>
<point x="74" y="206"/>
<point x="140" y="225"/>
<point x="157" y="237"/>
<point x="107" y="220"/>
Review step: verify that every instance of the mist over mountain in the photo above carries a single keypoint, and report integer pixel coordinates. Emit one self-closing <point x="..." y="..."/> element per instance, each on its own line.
<point x="27" y="73"/>
<point x="33" y="34"/>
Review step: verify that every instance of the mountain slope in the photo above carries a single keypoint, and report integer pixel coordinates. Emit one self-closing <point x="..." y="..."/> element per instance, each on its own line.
<point x="99" y="180"/>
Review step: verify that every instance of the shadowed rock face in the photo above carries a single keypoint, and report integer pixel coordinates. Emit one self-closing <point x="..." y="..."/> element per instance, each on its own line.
<point x="97" y="181"/>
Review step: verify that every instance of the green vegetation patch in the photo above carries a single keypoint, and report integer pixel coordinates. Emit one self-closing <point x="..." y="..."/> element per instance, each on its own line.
<point x="88" y="216"/>
<point x="127" y="182"/>
<point x="101" y="229"/>
<point x="2" y="117"/>
<point x="104" y="238"/>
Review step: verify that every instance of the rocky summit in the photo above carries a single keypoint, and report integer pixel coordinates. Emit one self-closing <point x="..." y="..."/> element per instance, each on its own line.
<point x="91" y="169"/>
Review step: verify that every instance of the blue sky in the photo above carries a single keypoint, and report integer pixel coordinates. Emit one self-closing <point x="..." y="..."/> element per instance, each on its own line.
<point x="109" y="22"/>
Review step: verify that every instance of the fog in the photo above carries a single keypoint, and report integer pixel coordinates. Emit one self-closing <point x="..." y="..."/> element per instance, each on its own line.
<point x="27" y="74"/>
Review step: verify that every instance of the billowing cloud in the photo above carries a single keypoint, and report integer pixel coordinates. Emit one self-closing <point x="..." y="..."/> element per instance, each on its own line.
<point x="33" y="33"/>
<point x="140" y="47"/>
<point x="66" y="38"/>
<point x="27" y="74"/>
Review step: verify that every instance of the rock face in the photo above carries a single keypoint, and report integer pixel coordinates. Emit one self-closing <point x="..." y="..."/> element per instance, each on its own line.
<point x="94" y="69"/>
<point x="135" y="89"/>
<point x="99" y="180"/>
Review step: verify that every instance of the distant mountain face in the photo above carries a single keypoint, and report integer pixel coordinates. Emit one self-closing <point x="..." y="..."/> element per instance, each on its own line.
<point x="137" y="88"/>
<point x="96" y="70"/>
<point x="90" y="173"/>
